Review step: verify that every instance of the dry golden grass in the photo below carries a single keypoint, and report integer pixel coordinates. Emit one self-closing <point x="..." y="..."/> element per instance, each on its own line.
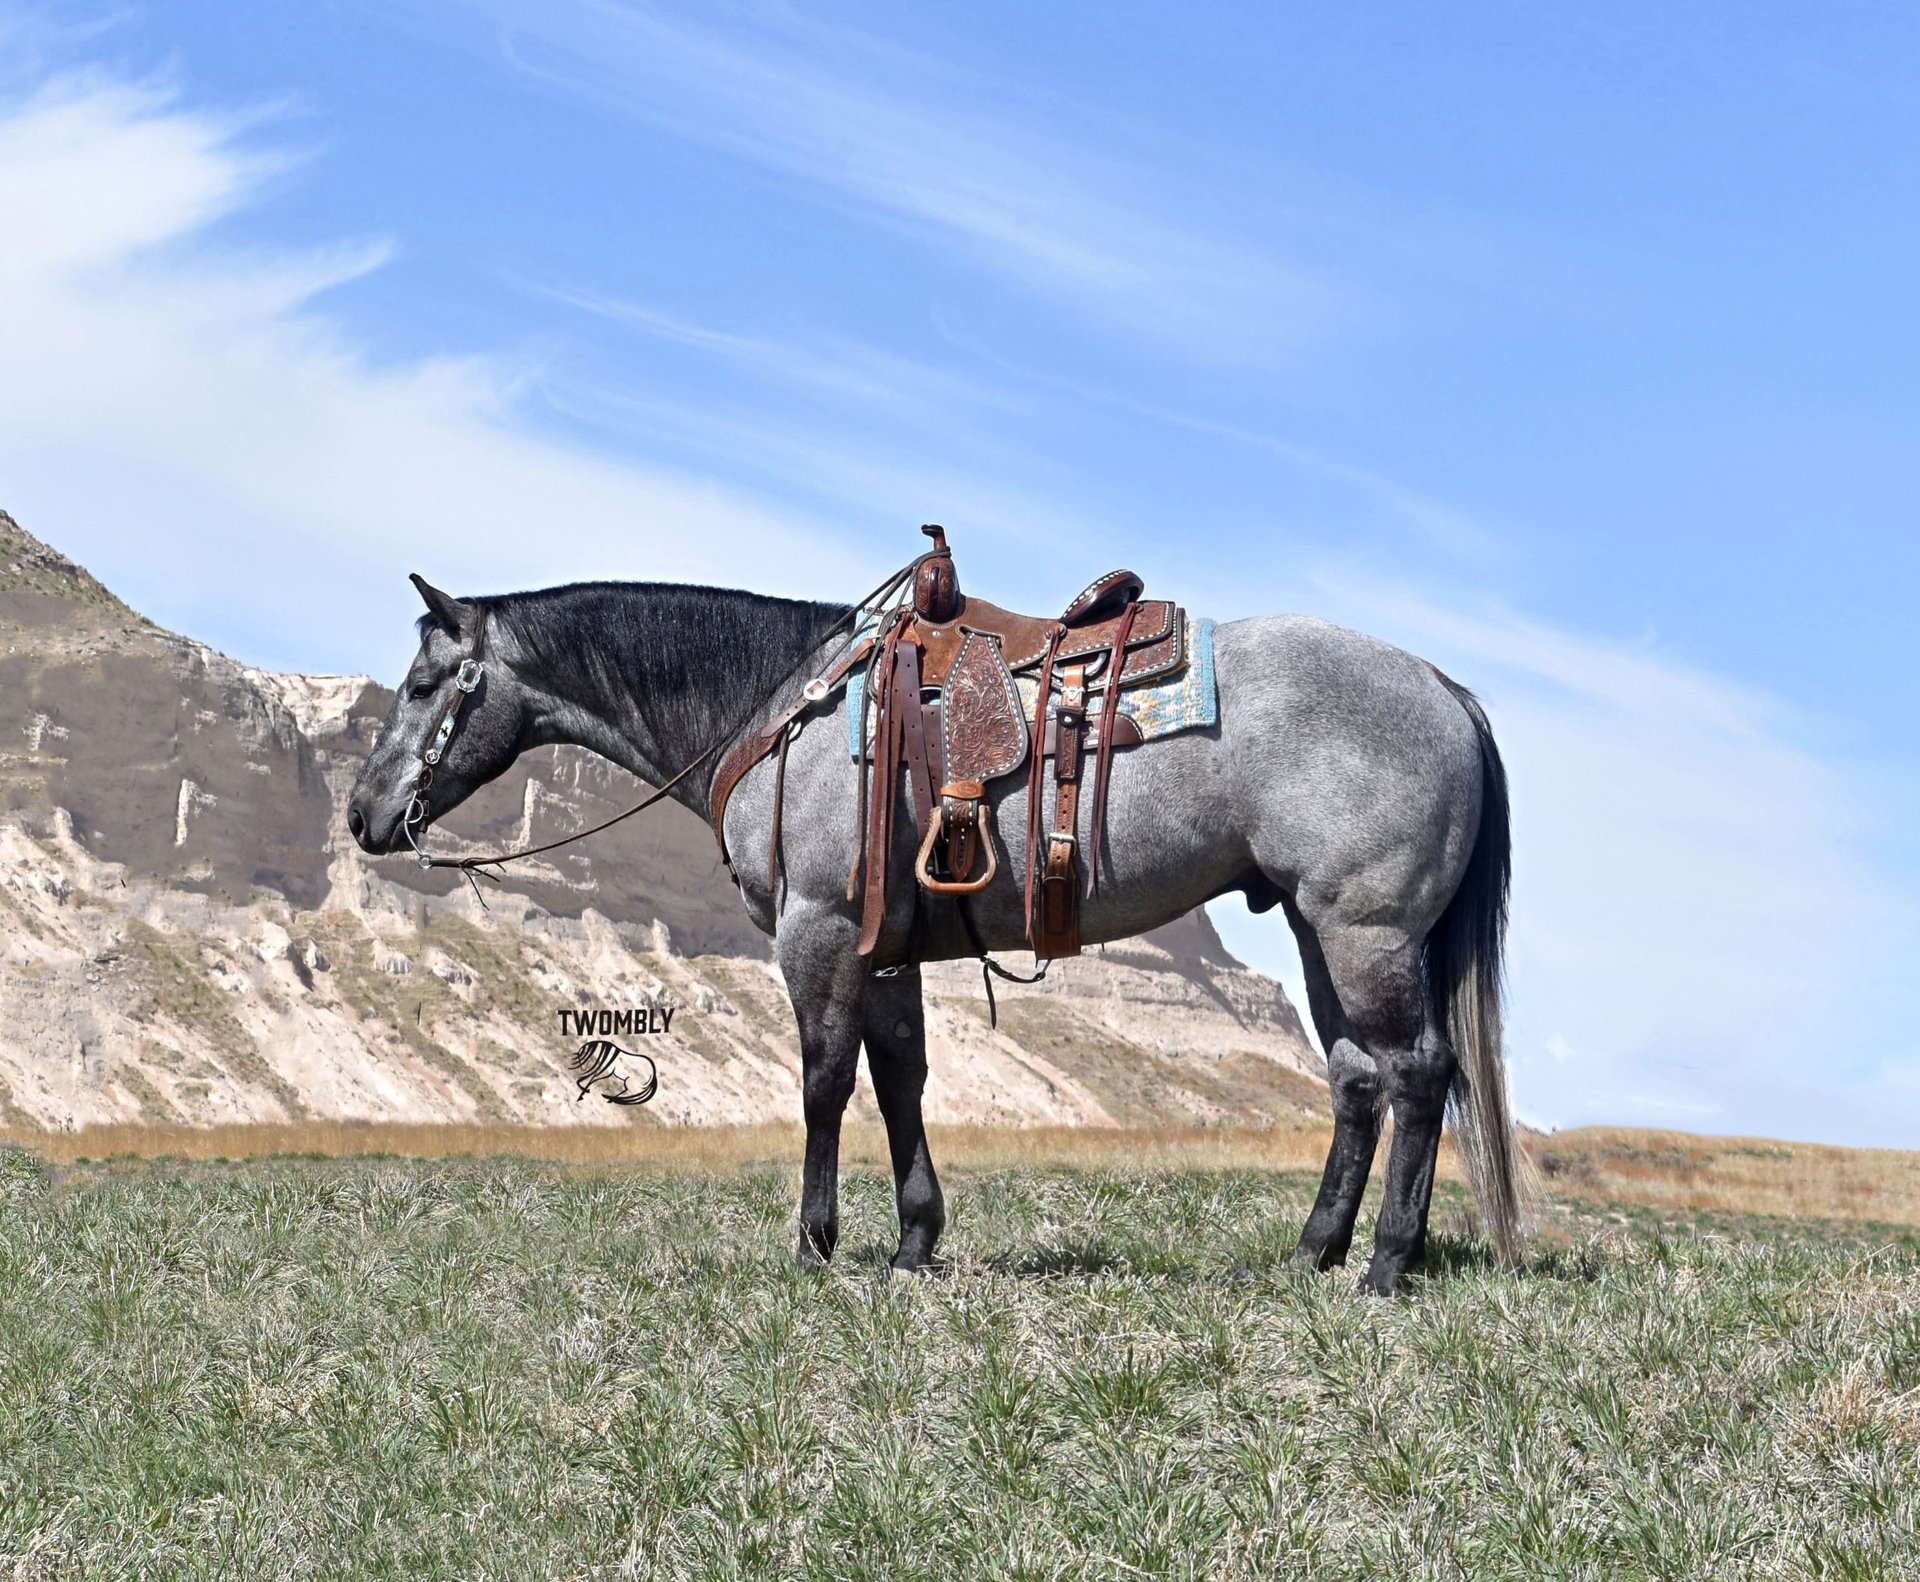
<point x="1746" y="1175"/>
<point x="694" y="1148"/>
<point x="1655" y="1169"/>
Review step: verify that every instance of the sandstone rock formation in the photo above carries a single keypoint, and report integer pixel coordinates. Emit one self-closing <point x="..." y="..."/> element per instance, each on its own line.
<point x="188" y="935"/>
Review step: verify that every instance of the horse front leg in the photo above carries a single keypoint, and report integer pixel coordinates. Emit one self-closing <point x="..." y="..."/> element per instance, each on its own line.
<point x="827" y="982"/>
<point x="896" y="1038"/>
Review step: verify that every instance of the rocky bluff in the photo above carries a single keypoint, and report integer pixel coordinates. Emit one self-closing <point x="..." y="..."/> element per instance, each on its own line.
<point x="188" y="934"/>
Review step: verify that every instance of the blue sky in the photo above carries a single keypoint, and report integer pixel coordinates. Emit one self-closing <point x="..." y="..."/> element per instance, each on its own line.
<point x="1575" y="350"/>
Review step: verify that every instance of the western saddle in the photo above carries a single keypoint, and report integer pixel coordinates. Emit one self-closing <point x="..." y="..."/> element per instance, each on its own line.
<point x="942" y="690"/>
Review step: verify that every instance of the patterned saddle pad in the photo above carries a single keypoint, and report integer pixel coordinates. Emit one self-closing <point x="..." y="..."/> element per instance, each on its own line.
<point x="1186" y="700"/>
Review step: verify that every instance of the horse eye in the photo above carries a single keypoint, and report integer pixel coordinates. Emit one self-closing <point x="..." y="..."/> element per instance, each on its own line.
<point x="421" y="689"/>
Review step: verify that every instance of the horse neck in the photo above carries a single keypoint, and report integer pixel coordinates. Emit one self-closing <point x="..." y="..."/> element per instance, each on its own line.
<point x="652" y="675"/>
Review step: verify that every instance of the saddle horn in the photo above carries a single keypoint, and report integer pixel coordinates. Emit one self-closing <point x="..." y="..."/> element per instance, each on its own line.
<point x="936" y="585"/>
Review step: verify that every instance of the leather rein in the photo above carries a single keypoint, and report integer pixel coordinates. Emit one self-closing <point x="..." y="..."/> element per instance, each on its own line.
<point x="467" y="680"/>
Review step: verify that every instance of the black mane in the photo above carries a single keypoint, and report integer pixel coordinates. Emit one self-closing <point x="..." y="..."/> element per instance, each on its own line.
<point x="694" y="663"/>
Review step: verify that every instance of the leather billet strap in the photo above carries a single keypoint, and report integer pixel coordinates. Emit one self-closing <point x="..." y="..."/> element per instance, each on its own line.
<point x="1103" y="760"/>
<point x="1036" y="763"/>
<point x="913" y="727"/>
<point x="890" y="750"/>
<point x="1055" y="925"/>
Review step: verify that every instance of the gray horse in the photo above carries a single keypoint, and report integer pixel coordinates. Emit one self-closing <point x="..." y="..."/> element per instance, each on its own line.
<point x="1347" y="782"/>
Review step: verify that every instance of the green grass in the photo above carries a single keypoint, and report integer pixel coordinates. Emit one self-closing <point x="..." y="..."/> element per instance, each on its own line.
<point x="507" y="1369"/>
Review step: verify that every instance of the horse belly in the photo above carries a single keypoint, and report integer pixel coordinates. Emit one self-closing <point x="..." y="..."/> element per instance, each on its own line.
<point x="1169" y="845"/>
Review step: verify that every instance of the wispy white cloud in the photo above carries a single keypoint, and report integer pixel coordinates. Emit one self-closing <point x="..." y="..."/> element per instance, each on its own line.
<point x="865" y="432"/>
<point x="1446" y="527"/>
<point x="851" y="476"/>
<point x="189" y="417"/>
<point x="886" y="134"/>
<point x="830" y="366"/>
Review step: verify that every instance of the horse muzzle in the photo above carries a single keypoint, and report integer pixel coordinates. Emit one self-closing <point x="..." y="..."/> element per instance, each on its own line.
<point x="377" y="835"/>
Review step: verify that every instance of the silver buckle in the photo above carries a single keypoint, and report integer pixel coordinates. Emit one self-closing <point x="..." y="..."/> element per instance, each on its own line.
<point x="815" y="690"/>
<point x="469" y="676"/>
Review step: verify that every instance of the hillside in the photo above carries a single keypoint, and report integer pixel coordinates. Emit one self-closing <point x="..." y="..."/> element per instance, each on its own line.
<point x="187" y="935"/>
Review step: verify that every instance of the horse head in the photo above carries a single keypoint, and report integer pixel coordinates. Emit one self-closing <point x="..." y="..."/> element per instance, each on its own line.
<point x="460" y="717"/>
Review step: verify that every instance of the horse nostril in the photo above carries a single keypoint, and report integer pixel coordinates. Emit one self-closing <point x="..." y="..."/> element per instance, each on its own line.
<point x="356" y="824"/>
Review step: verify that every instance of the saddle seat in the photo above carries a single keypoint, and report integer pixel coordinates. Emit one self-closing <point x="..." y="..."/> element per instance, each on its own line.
<point x="1155" y="645"/>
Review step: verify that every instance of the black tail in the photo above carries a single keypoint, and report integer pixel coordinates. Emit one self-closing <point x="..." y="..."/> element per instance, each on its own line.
<point x="1464" y="967"/>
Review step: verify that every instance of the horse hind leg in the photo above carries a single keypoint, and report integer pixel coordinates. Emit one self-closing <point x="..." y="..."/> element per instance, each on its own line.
<point x="1417" y="1083"/>
<point x="896" y="1039"/>
<point x="1353" y="1081"/>
<point x="1388" y="1049"/>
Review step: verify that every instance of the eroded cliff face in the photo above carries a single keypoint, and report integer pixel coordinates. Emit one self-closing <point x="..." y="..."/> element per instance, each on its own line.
<point x="188" y="934"/>
<point x="211" y="776"/>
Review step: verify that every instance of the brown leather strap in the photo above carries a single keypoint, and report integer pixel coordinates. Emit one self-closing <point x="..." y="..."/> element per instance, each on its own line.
<point x="868" y="694"/>
<point x="1056" y="924"/>
<point x="1103" y="758"/>
<point x="741" y="757"/>
<point x="779" y="809"/>
<point x="481" y="864"/>
<point x="906" y="703"/>
<point x="889" y="746"/>
<point x="1035" y="780"/>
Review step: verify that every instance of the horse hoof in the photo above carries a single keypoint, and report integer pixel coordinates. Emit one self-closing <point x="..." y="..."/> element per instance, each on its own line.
<point x="1378" y="1283"/>
<point x="908" y="1264"/>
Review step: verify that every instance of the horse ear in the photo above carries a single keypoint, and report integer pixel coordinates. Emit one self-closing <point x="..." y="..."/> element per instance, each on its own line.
<point x="455" y="615"/>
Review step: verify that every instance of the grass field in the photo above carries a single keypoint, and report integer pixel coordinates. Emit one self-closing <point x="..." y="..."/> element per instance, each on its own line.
<point x="494" y="1368"/>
